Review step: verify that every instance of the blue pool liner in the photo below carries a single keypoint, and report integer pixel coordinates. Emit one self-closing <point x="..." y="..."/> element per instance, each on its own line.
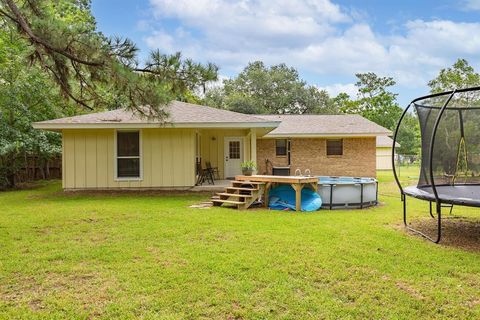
<point x="283" y="198"/>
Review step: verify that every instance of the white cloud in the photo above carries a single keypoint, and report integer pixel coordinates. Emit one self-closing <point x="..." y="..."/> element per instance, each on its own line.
<point x="472" y="4"/>
<point x="249" y="24"/>
<point x="316" y="36"/>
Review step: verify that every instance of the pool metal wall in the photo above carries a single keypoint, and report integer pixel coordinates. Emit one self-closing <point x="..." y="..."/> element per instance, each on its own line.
<point x="343" y="195"/>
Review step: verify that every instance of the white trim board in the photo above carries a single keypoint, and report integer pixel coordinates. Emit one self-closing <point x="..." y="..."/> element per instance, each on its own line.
<point x="189" y="125"/>
<point x="115" y="171"/>
<point x="324" y="135"/>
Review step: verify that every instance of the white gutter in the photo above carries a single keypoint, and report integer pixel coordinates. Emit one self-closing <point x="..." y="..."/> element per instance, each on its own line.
<point x="120" y="125"/>
<point x="326" y="135"/>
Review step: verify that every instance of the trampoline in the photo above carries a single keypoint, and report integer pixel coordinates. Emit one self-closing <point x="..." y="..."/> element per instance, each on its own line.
<point x="450" y="153"/>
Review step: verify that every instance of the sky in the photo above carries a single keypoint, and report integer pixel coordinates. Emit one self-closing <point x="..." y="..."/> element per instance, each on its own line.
<point x="327" y="41"/>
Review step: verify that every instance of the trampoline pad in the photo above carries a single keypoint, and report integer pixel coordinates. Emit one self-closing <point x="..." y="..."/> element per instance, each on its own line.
<point x="468" y="195"/>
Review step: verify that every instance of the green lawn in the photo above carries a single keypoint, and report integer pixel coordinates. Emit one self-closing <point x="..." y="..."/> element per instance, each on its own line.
<point x="150" y="256"/>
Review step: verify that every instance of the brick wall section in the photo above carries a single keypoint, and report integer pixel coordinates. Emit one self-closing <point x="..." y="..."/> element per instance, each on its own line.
<point x="266" y="150"/>
<point x="358" y="160"/>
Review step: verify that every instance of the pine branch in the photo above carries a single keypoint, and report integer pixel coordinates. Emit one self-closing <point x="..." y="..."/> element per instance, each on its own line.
<point x="24" y="26"/>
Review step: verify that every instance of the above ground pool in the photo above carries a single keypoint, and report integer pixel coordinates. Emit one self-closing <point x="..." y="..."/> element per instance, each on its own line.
<point x="347" y="192"/>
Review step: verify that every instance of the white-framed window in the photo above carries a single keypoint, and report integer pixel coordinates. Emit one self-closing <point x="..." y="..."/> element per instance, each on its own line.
<point x="128" y="155"/>
<point x="281" y="147"/>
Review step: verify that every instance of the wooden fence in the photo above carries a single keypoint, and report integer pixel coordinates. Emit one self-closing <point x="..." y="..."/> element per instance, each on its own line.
<point x="37" y="169"/>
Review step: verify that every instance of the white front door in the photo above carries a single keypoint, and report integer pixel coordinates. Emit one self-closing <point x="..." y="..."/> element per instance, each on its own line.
<point x="233" y="156"/>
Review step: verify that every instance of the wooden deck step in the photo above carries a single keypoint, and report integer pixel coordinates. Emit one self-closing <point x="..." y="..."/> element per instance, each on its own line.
<point x="227" y="201"/>
<point x="241" y="189"/>
<point x="234" y="195"/>
<point x="248" y="182"/>
<point x="242" y="193"/>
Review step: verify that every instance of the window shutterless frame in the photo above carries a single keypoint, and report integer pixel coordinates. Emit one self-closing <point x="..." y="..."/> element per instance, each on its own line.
<point x="334" y="147"/>
<point x="139" y="157"/>
<point x="281" y="151"/>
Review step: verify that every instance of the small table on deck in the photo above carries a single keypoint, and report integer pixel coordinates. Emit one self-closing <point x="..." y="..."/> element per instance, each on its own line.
<point x="297" y="183"/>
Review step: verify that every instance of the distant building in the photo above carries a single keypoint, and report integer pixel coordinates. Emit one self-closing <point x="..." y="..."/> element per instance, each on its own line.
<point x="384" y="152"/>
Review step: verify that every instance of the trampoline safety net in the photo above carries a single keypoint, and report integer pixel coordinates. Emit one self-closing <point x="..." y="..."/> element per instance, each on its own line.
<point x="456" y="145"/>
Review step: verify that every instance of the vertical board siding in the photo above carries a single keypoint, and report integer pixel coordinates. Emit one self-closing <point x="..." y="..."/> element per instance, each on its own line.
<point x="63" y="163"/>
<point x="169" y="171"/>
<point x="212" y="142"/>
<point x="79" y="160"/>
<point x="69" y="160"/>
<point x="168" y="159"/>
<point x="111" y="183"/>
<point x="156" y="157"/>
<point x="102" y="159"/>
<point x="90" y="160"/>
<point x="147" y="158"/>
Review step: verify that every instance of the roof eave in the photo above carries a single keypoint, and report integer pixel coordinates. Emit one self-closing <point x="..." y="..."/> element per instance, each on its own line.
<point x="326" y="135"/>
<point x="191" y="125"/>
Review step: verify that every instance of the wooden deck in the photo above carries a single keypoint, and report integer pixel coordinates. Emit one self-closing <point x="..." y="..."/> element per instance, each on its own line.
<point x="297" y="183"/>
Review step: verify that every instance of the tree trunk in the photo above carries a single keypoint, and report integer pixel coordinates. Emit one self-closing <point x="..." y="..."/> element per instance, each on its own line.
<point x="47" y="169"/>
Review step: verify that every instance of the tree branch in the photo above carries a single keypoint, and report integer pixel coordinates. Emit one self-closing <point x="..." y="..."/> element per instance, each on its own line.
<point x="22" y="23"/>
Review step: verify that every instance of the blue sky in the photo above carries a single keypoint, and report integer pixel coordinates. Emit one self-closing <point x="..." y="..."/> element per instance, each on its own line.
<point x="328" y="41"/>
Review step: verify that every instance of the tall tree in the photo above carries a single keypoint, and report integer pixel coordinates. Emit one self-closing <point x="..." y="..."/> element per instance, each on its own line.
<point x="277" y="89"/>
<point x="409" y="135"/>
<point x="374" y="100"/>
<point x="377" y="103"/>
<point x="53" y="62"/>
<point x="460" y="75"/>
<point x="92" y="70"/>
<point x="26" y="95"/>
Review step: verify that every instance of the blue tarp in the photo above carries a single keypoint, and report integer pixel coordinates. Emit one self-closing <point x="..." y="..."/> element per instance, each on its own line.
<point x="283" y="198"/>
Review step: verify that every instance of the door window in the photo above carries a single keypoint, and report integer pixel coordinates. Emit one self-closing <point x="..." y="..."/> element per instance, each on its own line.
<point x="234" y="149"/>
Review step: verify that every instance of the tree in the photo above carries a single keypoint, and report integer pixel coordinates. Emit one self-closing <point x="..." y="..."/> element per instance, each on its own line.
<point x="26" y="95"/>
<point x="409" y="136"/>
<point x="92" y="70"/>
<point x="459" y="75"/>
<point x="277" y="89"/>
<point x="54" y="63"/>
<point x="374" y="101"/>
<point x="343" y="102"/>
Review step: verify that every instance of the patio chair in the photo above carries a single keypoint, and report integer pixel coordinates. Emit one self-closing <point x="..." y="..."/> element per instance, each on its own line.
<point x="204" y="174"/>
<point x="215" y="171"/>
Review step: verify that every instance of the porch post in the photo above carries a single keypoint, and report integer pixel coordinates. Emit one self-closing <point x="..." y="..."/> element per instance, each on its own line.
<point x="253" y="146"/>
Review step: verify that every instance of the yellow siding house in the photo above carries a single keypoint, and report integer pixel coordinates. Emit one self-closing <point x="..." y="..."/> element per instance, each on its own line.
<point x="119" y="149"/>
<point x="384" y="152"/>
<point x="122" y="150"/>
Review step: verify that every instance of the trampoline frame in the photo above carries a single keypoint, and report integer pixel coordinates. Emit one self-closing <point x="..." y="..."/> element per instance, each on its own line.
<point x="438" y="201"/>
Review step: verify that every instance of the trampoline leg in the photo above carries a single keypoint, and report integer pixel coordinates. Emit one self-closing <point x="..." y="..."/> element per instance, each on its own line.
<point x="439" y="221"/>
<point x="431" y="214"/>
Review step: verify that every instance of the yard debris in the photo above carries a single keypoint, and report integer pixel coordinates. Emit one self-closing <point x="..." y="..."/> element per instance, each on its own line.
<point x="202" y="205"/>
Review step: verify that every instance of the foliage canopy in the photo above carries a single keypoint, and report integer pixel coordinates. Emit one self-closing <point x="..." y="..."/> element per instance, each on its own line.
<point x="278" y="89"/>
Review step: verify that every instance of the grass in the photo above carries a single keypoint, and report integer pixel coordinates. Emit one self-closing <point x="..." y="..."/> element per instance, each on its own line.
<point x="150" y="256"/>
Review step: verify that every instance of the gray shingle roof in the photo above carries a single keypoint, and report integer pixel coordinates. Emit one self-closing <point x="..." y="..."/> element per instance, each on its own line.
<point x="180" y="113"/>
<point x="187" y="115"/>
<point x="324" y="125"/>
